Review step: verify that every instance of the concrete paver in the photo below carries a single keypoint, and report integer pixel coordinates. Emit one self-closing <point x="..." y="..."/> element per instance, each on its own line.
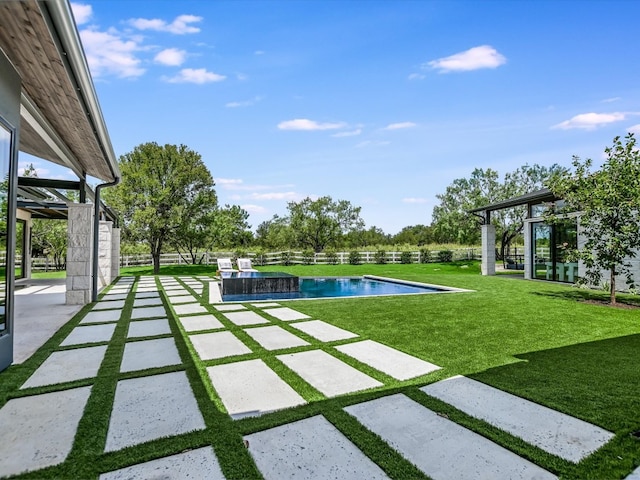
<point x="251" y="388"/>
<point x="67" y="366"/>
<point x="106" y="305"/>
<point x="230" y="308"/>
<point x="198" y="463"/>
<point x="182" y="299"/>
<point x="146" y="289"/>
<point x="114" y="296"/>
<point x="38" y="431"/>
<point x="552" y="431"/>
<point x="218" y="345"/>
<point x="139" y="295"/>
<point x="635" y="475"/>
<point x="152" y="407"/>
<point x="439" y="447"/>
<point x="89" y="334"/>
<point x="286" y="314"/>
<point x="245" y="318"/>
<point x="148" y="312"/>
<point x="323" y="331"/>
<point x="145" y="354"/>
<point x="394" y="363"/>
<point x="147" y="302"/>
<point x="101" y="316"/>
<point x="274" y="337"/>
<point x="309" y="449"/>
<point x="189" y="308"/>
<point x="196" y="323"/>
<point x="327" y="374"/>
<point x="148" y="328"/>
<point x="265" y="305"/>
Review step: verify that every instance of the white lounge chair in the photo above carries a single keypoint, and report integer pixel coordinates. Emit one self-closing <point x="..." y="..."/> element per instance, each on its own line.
<point x="244" y="265"/>
<point x="225" y="265"/>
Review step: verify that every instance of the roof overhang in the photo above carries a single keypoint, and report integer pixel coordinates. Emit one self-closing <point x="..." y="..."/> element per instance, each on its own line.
<point x="531" y="198"/>
<point x="61" y="119"/>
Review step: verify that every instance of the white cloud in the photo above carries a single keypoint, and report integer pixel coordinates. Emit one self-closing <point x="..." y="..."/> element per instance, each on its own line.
<point x="308" y="125"/>
<point x="246" y="103"/>
<point x="242" y="77"/>
<point x="259" y="52"/>
<point x="590" y="121"/>
<point x="475" y="58"/>
<point x="276" y="196"/>
<point x="173" y="57"/>
<point x="350" y="133"/>
<point x="239" y="185"/>
<point x="415" y="200"/>
<point x="416" y="76"/>
<point x="254" y="208"/>
<point x="108" y="53"/>
<point x="634" y="129"/>
<point x="195" y="75"/>
<point x="372" y="143"/>
<point x="611" y="100"/>
<point x="180" y="25"/>
<point x="81" y="13"/>
<point x="399" y="126"/>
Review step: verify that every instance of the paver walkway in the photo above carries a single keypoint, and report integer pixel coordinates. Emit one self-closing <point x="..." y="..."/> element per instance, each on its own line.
<point x="302" y="359"/>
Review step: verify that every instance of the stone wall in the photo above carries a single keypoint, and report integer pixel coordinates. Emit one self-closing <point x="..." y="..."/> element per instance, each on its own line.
<point x="79" y="253"/>
<point x="105" y="249"/>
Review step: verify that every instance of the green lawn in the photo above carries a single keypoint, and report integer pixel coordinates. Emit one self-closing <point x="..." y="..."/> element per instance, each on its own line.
<point x="538" y="340"/>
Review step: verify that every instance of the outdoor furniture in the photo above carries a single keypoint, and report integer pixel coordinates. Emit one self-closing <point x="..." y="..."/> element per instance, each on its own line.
<point x="225" y="265"/>
<point x="244" y="265"/>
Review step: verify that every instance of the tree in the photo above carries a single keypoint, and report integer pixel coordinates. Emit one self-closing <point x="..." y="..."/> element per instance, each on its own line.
<point x="274" y="233"/>
<point x="414" y="235"/>
<point x="162" y="187"/>
<point x="230" y="227"/>
<point x="318" y="224"/>
<point x="194" y="232"/>
<point x="49" y="238"/>
<point x="608" y="202"/>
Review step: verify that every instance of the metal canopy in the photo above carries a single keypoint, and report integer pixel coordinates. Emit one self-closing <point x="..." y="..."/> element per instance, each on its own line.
<point x="61" y="120"/>
<point x="538" y="196"/>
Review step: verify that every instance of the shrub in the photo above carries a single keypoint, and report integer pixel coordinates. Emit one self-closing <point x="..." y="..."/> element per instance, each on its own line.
<point x="354" y="257"/>
<point x="405" y="257"/>
<point x="445" y="256"/>
<point x="331" y="256"/>
<point x="380" y="257"/>
<point x="308" y="256"/>
<point x="425" y="255"/>
<point x="260" y="259"/>
<point x="285" y="258"/>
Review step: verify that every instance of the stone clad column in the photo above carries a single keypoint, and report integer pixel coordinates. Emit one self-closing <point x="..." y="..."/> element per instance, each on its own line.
<point x="79" y="257"/>
<point x="529" y="273"/>
<point x="488" y="266"/>
<point x="115" y="253"/>
<point x="104" y="254"/>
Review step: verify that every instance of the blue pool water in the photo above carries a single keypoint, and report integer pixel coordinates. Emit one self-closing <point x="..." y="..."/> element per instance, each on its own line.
<point x="338" y="287"/>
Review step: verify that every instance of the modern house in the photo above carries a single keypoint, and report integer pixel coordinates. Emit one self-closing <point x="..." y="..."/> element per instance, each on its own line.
<point x="49" y="109"/>
<point x="545" y="245"/>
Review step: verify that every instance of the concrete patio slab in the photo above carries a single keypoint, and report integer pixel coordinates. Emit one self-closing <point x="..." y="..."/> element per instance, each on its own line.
<point x="189" y="308"/>
<point x="245" y="318"/>
<point x="275" y="338"/>
<point x="198" y="463"/>
<point x="265" y="305"/>
<point x="323" y="331"/>
<point x="200" y="322"/>
<point x="148" y="328"/>
<point x="328" y="374"/>
<point x="439" y="447"/>
<point x="182" y="299"/>
<point x="394" y="363"/>
<point x="108" y="305"/>
<point x="140" y="295"/>
<point x="635" y="475"/>
<point x="218" y="345"/>
<point x="309" y="449"/>
<point x="229" y="308"/>
<point x="67" y="366"/>
<point x="251" y="388"/>
<point x="286" y="314"/>
<point x="552" y="431"/>
<point x="38" y="431"/>
<point x="89" y="334"/>
<point x="152" y="407"/>
<point x="113" y="296"/>
<point x="146" y="289"/>
<point x="175" y="291"/>
<point x="101" y="316"/>
<point x="147" y="302"/>
<point x="148" y="312"/>
<point x="145" y="354"/>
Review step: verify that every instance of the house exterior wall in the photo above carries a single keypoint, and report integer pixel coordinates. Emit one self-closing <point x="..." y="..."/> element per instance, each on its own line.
<point x="105" y="250"/>
<point x="79" y="253"/>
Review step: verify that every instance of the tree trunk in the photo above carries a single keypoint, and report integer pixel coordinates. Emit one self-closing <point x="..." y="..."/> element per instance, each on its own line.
<point x="156" y="263"/>
<point x="612" y="283"/>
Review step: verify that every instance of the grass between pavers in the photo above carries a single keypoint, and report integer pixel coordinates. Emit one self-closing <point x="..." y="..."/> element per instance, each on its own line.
<point x="533" y="339"/>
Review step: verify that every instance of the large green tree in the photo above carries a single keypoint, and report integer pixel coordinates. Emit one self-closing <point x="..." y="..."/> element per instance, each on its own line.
<point x="162" y="187"/>
<point x="608" y="202"/>
<point x="318" y="224"/>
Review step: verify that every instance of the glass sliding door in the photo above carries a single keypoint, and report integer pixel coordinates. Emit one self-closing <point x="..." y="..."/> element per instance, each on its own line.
<point x="550" y="244"/>
<point x="5" y="269"/>
<point x="541" y="244"/>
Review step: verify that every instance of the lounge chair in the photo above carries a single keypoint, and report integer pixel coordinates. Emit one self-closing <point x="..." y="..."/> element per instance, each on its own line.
<point x="225" y="265"/>
<point x="244" y="265"/>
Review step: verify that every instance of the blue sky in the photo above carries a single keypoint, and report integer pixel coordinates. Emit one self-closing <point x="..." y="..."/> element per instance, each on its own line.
<point x="382" y="103"/>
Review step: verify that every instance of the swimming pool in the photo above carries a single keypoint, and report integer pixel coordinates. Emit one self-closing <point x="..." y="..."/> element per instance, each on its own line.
<point x="338" y="287"/>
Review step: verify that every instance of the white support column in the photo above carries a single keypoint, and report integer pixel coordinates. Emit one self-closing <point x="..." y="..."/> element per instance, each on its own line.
<point x="26" y="254"/>
<point x="115" y="252"/>
<point x="104" y="254"/>
<point x="488" y="266"/>
<point x="528" y="260"/>
<point x="79" y="253"/>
